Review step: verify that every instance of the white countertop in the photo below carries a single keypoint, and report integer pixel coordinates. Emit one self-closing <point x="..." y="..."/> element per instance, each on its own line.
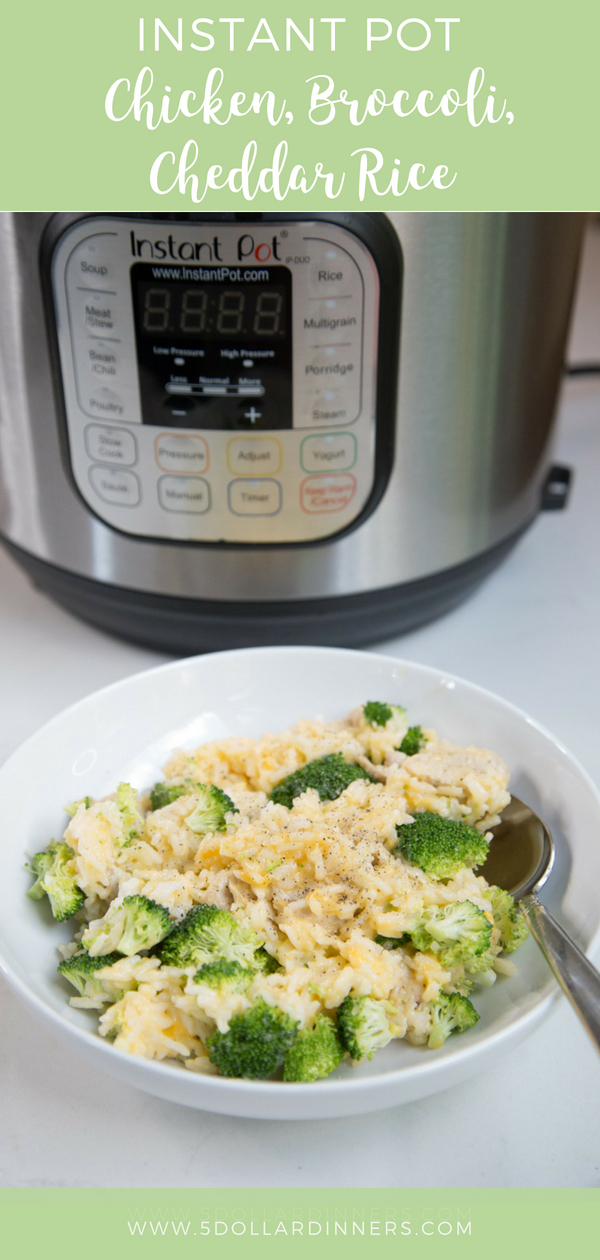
<point x="530" y="633"/>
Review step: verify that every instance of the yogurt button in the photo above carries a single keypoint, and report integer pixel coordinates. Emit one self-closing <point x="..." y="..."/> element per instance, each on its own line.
<point x="329" y="452"/>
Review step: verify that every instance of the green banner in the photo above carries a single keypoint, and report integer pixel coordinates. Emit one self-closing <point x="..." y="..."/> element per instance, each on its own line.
<point x="263" y="106"/>
<point x="265" y="1224"/>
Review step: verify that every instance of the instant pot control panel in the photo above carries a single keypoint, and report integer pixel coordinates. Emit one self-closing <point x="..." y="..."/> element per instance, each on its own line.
<point x="220" y="378"/>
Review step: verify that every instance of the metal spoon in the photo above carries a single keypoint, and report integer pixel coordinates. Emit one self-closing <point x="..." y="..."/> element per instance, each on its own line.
<point x="520" y="859"/>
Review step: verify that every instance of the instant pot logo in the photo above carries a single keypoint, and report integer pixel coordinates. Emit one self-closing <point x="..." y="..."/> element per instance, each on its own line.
<point x="208" y="251"/>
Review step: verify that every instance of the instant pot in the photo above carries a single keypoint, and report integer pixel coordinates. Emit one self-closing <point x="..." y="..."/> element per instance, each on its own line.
<point x="232" y="429"/>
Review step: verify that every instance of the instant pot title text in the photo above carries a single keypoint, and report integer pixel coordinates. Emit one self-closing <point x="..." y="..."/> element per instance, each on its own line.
<point x="283" y="88"/>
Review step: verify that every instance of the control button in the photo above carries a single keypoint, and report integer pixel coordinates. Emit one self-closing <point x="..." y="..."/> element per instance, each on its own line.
<point x="109" y="445"/>
<point x="328" y="451"/>
<point x="250" y="456"/>
<point x="176" y="453"/>
<point x="184" y="494"/>
<point x="102" y="361"/>
<point x="332" y="322"/>
<point x="333" y="406"/>
<point x="258" y="497"/>
<point x="115" y="486"/>
<point x="327" y="493"/>
<point x="105" y="402"/>
<point x="333" y="273"/>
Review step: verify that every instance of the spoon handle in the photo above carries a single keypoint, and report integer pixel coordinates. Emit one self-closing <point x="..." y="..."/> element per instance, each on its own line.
<point x="578" y="979"/>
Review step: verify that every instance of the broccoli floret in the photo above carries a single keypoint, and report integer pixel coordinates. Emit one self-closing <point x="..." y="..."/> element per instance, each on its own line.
<point x="138" y="923"/>
<point x="133" y="823"/>
<point x="393" y="942"/>
<point x="363" y="1026"/>
<point x="413" y="741"/>
<point x="440" y="846"/>
<point x="392" y="716"/>
<point x="456" y="933"/>
<point x="316" y="1052"/>
<point x="81" y="970"/>
<point x="329" y="776"/>
<point x="73" y="806"/>
<point x="449" y="1013"/>
<point x="265" y="962"/>
<point x="208" y="933"/>
<point x="224" y="976"/>
<point x="508" y="919"/>
<point x="55" y="871"/>
<point x="165" y="793"/>
<point x="209" y="814"/>
<point x="255" y="1044"/>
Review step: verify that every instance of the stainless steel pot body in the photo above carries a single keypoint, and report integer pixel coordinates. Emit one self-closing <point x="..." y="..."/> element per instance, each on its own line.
<point x="485" y="308"/>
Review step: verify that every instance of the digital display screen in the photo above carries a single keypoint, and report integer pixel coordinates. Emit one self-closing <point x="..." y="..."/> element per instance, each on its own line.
<point x="214" y="346"/>
<point x="213" y="311"/>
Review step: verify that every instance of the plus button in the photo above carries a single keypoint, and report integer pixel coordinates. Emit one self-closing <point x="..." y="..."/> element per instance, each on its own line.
<point x="252" y="415"/>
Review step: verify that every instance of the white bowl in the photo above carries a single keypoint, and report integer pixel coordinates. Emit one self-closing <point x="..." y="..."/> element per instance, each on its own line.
<point x="126" y="732"/>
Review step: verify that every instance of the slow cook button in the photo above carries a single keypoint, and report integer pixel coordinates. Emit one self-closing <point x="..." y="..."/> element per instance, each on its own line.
<point x="184" y="494"/>
<point x="257" y="497"/>
<point x="249" y="456"/>
<point x="109" y="445"/>
<point x="329" y="451"/>
<point x="183" y="454"/>
<point x="327" y="493"/>
<point x="115" y="486"/>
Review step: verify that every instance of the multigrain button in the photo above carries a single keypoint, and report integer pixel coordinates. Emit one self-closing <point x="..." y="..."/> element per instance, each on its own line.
<point x="175" y="452"/>
<point x="110" y="445"/>
<point x="328" y="452"/>
<point x="113" y="485"/>
<point x="324" y="493"/>
<point x="258" y="497"/>
<point x="249" y="456"/>
<point x="184" y="494"/>
<point x="331" y="322"/>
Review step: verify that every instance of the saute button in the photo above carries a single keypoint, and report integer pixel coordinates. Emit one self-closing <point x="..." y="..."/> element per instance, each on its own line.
<point x="115" y="486"/>
<point x="327" y="493"/>
<point x="257" y="497"/>
<point x="178" y="453"/>
<point x="184" y="494"/>
<point x="249" y="456"/>
<point x="111" y="446"/>
<point x="329" y="452"/>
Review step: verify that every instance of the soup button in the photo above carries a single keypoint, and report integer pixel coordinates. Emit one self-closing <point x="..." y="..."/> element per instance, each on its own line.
<point x="325" y="493"/>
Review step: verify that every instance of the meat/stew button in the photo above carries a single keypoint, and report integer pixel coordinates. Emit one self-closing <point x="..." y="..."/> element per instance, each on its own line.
<point x="327" y="492"/>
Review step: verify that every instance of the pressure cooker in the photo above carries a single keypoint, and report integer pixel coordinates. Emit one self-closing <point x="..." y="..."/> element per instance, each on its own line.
<point x="230" y="429"/>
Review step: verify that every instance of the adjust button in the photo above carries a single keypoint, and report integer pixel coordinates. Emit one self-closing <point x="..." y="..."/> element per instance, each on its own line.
<point x="326" y="493"/>
<point x="183" y="454"/>
<point x="115" y="486"/>
<point x="258" y="497"/>
<point x="328" y="452"/>
<point x="184" y="494"/>
<point x="249" y="456"/>
<point x="110" y="445"/>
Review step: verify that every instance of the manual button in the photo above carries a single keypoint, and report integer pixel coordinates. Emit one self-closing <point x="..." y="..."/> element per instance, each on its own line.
<point x="184" y="494"/>
<point x="249" y="456"/>
<point x="109" y="445"/>
<point x="115" y="486"/>
<point x="328" y="451"/>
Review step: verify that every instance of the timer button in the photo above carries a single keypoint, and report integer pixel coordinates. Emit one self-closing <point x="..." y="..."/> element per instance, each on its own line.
<point x="184" y="494"/>
<point x="183" y="454"/>
<point x="115" y="486"/>
<point x="109" y="445"/>
<point x="259" y="496"/>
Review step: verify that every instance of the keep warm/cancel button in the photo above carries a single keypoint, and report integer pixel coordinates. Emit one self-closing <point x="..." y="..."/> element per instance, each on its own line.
<point x="184" y="494"/>
<point x="324" y="493"/>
